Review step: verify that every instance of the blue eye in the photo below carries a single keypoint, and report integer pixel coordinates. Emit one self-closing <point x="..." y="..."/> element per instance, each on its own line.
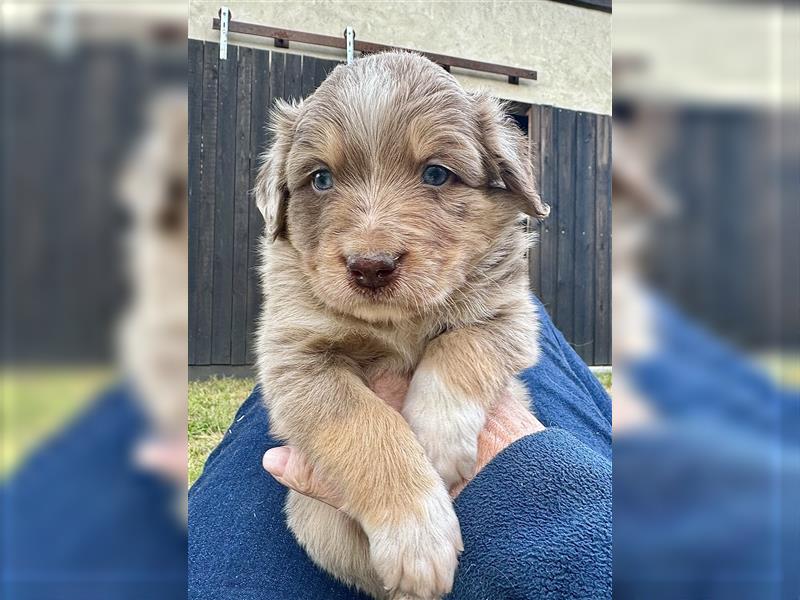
<point x="322" y="180"/>
<point x="435" y="175"/>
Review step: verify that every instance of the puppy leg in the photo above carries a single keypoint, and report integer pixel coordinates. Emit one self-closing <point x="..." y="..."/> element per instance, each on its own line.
<point x="460" y="376"/>
<point x="388" y="485"/>
<point x="445" y="421"/>
<point x="334" y="541"/>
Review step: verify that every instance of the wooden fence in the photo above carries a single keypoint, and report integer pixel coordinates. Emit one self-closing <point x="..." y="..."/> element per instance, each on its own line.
<point x="73" y="118"/>
<point x="228" y="108"/>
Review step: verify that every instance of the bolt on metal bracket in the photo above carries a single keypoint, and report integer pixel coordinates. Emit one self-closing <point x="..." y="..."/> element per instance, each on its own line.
<point x="350" y="36"/>
<point x="224" y="19"/>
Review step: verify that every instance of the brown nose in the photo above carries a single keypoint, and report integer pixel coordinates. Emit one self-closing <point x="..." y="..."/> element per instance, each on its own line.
<point x="372" y="270"/>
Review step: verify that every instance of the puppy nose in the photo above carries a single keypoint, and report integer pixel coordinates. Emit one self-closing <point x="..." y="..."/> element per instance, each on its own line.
<point x="372" y="270"/>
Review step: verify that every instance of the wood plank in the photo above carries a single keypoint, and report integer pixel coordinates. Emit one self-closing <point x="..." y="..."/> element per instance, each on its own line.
<point x="601" y="5"/>
<point x="260" y="103"/>
<point x="323" y="69"/>
<point x="602" y="320"/>
<point x="548" y="242"/>
<point x="585" y="153"/>
<point x="535" y="226"/>
<point x="83" y="117"/>
<point x="195" y="106"/>
<point x="307" y="83"/>
<point x="292" y="74"/>
<point x="565" y="272"/>
<point x="241" y="212"/>
<point x="205" y="206"/>
<point x="284" y="75"/>
<point x="223" y="210"/>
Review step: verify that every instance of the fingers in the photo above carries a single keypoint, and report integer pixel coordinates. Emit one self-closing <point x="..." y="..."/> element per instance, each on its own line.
<point x="290" y="468"/>
<point x="165" y="456"/>
<point x="508" y="421"/>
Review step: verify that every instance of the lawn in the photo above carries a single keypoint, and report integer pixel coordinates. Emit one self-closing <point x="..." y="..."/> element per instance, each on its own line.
<point x="35" y="402"/>
<point x="605" y="380"/>
<point x="212" y="406"/>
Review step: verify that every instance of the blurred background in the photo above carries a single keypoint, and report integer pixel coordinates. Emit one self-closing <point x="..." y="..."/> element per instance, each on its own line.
<point x="93" y="310"/>
<point x="706" y="299"/>
<point x="98" y="278"/>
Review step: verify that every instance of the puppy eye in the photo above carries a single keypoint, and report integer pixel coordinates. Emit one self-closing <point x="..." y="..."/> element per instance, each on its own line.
<point x="322" y="180"/>
<point x="435" y="175"/>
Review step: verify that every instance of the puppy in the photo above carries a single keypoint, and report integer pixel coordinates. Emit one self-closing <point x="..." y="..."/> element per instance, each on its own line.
<point x="393" y="248"/>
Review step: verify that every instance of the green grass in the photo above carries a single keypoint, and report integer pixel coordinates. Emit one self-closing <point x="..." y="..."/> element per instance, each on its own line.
<point x="784" y="368"/>
<point x="212" y="407"/>
<point x="35" y="402"/>
<point x="605" y="380"/>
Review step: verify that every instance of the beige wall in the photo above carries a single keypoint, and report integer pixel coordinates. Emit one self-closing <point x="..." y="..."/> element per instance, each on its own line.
<point x="570" y="47"/>
<point x="719" y="53"/>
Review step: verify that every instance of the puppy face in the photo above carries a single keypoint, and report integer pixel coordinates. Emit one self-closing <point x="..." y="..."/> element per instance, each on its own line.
<point x="391" y="182"/>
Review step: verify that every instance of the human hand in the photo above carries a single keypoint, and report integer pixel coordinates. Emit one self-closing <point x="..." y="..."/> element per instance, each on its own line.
<point x="165" y="456"/>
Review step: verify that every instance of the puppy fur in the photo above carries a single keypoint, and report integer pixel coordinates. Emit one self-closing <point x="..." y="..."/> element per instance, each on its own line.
<point x="457" y="320"/>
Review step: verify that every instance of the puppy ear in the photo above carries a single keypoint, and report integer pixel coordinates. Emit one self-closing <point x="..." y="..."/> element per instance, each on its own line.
<point x="271" y="190"/>
<point x="508" y="158"/>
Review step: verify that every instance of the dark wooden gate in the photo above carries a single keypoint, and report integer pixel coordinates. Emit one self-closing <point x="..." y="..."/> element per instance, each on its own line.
<point x="228" y="107"/>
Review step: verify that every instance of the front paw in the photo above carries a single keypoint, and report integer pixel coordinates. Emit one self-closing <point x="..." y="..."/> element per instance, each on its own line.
<point x="446" y="425"/>
<point x="453" y="452"/>
<point x="417" y="557"/>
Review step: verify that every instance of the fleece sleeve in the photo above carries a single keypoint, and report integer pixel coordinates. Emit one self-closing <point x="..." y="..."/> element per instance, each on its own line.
<point x="536" y="523"/>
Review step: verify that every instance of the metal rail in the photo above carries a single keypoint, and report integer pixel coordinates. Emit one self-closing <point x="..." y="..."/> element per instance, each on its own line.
<point x="282" y="38"/>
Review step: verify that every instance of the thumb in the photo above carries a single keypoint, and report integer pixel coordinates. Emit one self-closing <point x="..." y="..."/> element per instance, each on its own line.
<point x="167" y="457"/>
<point x="290" y="468"/>
<point x="275" y="460"/>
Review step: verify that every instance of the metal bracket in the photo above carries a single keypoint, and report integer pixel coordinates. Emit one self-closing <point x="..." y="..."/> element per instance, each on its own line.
<point x="224" y="19"/>
<point x="350" y="36"/>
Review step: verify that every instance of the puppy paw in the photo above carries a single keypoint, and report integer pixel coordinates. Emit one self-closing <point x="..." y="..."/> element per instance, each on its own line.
<point x="446" y="425"/>
<point x="417" y="559"/>
<point x="452" y="451"/>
